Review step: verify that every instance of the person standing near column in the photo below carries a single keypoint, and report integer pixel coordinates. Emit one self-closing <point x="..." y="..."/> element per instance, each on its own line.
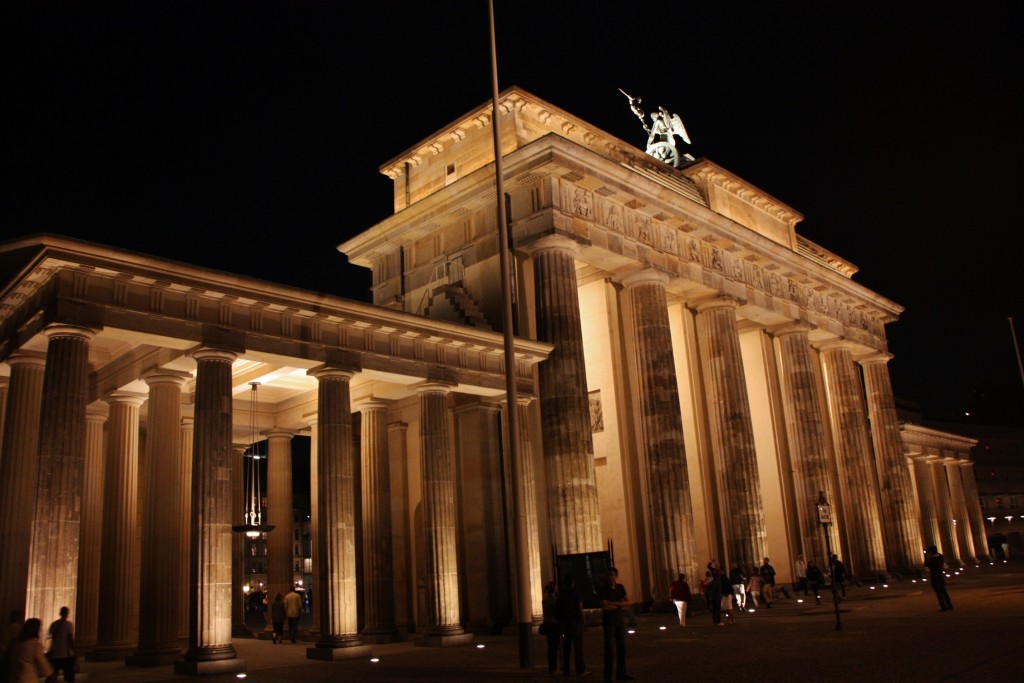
<point x="62" y="643"/>
<point x="767" y="572"/>
<point x="936" y="564"/>
<point x="801" y="574"/>
<point x="679" y="594"/>
<point x="613" y="599"/>
<point x="292" y="610"/>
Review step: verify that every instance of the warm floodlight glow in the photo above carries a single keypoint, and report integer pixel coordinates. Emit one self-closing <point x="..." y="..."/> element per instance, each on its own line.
<point x="913" y="581"/>
<point x="885" y="585"/>
<point x="751" y="610"/>
<point x="872" y="588"/>
<point x="480" y="646"/>
<point x="661" y="628"/>
<point x="798" y="600"/>
<point x="374" y="660"/>
<point x="631" y="631"/>
<point x="242" y="675"/>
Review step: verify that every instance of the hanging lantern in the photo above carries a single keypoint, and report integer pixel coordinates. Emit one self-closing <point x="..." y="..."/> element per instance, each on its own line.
<point x="252" y="513"/>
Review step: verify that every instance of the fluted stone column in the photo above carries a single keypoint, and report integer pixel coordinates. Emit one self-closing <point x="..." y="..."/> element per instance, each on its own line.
<point x="857" y="474"/>
<point x="958" y="511"/>
<point x="314" y="515"/>
<point x="184" y="559"/>
<point x="53" y="557"/>
<point x="804" y="413"/>
<point x="484" y="532"/>
<point x="280" y="513"/>
<point x="5" y="384"/>
<point x="336" y="593"/>
<point x="378" y="578"/>
<point x="209" y="643"/>
<point x="525" y="428"/>
<point x="115" y="637"/>
<point x="732" y="432"/>
<point x="19" y="471"/>
<point x="926" y="498"/>
<point x="238" y="594"/>
<point x="899" y="509"/>
<point x="162" y="534"/>
<point x="573" y="511"/>
<point x="661" y="431"/>
<point x="87" y="611"/>
<point x="439" y="520"/>
<point x="974" y="515"/>
<point x="944" y="513"/>
<point x="402" y="535"/>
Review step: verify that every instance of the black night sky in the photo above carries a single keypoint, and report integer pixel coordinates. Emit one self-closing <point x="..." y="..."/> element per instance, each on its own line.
<point x="246" y="136"/>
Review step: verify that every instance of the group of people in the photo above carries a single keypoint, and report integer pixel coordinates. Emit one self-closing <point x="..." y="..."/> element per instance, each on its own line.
<point x="25" y="659"/>
<point x="811" y="577"/>
<point x="285" y="607"/>
<point x="565" y="618"/>
<point x="735" y="590"/>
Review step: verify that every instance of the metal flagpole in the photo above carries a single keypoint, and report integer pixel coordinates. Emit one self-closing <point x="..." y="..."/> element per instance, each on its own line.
<point x="524" y="601"/>
<point x="1016" y="347"/>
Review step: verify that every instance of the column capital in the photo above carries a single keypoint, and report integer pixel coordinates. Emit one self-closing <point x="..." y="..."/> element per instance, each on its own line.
<point x="879" y="357"/>
<point x="793" y="327"/>
<point x="553" y="243"/>
<point x="178" y="377"/>
<point x="723" y="301"/>
<point x="220" y="355"/>
<point x="837" y="345"/>
<point x="434" y="388"/>
<point x="125" y="398"/>
<point x="324" y="372"/>
<point x="645" y="276"/>
<point x="26" y="360"/>
<point x="97" y="411"/>
<point x="278" y="433"/>
<point x="371" y="403"/>
<point x="73" y="331"/>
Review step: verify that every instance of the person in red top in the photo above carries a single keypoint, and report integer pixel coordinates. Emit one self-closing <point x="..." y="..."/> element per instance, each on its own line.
<point x="679" y="594"/>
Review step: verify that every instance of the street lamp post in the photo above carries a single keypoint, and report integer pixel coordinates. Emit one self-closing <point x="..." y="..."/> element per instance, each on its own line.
<point x="825" y="519"/>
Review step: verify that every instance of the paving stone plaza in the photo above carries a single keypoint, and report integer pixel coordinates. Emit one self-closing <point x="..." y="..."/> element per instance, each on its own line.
<point x="888" y="634"/>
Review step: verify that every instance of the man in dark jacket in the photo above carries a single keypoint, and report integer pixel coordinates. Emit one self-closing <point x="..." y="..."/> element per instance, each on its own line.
<point x="936" y="564"/>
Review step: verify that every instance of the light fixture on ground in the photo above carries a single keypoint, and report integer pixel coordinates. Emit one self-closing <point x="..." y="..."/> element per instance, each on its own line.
<point x="253" y="506"/>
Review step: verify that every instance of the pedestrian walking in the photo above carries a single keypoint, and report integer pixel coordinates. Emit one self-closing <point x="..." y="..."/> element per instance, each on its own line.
<point x="278" y="613"/>
<point x="727" y="599"/>
<point x="679" y="594"/>
<point x="62" y="646"/>
<point x="754" y="585"/>
<point x="839" y="573"/>
<point x="292" y="610"/>
<point x="713" y="595"/>
<point x="738" y="581"/>
<point x="767" y="572"/>
<point x="936" y="564"/>
<point x="815" y="578"/>
<point x="26" y="660"/>
<point x="550" y="627"/>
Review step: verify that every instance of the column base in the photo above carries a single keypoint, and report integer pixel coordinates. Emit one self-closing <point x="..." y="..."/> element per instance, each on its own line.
<point x="444" y="641"/>
<point x="108" y="654"/>
<point x="190" y="667"/>
<point x="152" y="658"/>
<point x="333" y="654"/>
<point x="241" y="631"/>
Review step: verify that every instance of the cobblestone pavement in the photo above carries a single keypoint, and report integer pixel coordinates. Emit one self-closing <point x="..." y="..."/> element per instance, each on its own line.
<point x="894" y="633"/>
